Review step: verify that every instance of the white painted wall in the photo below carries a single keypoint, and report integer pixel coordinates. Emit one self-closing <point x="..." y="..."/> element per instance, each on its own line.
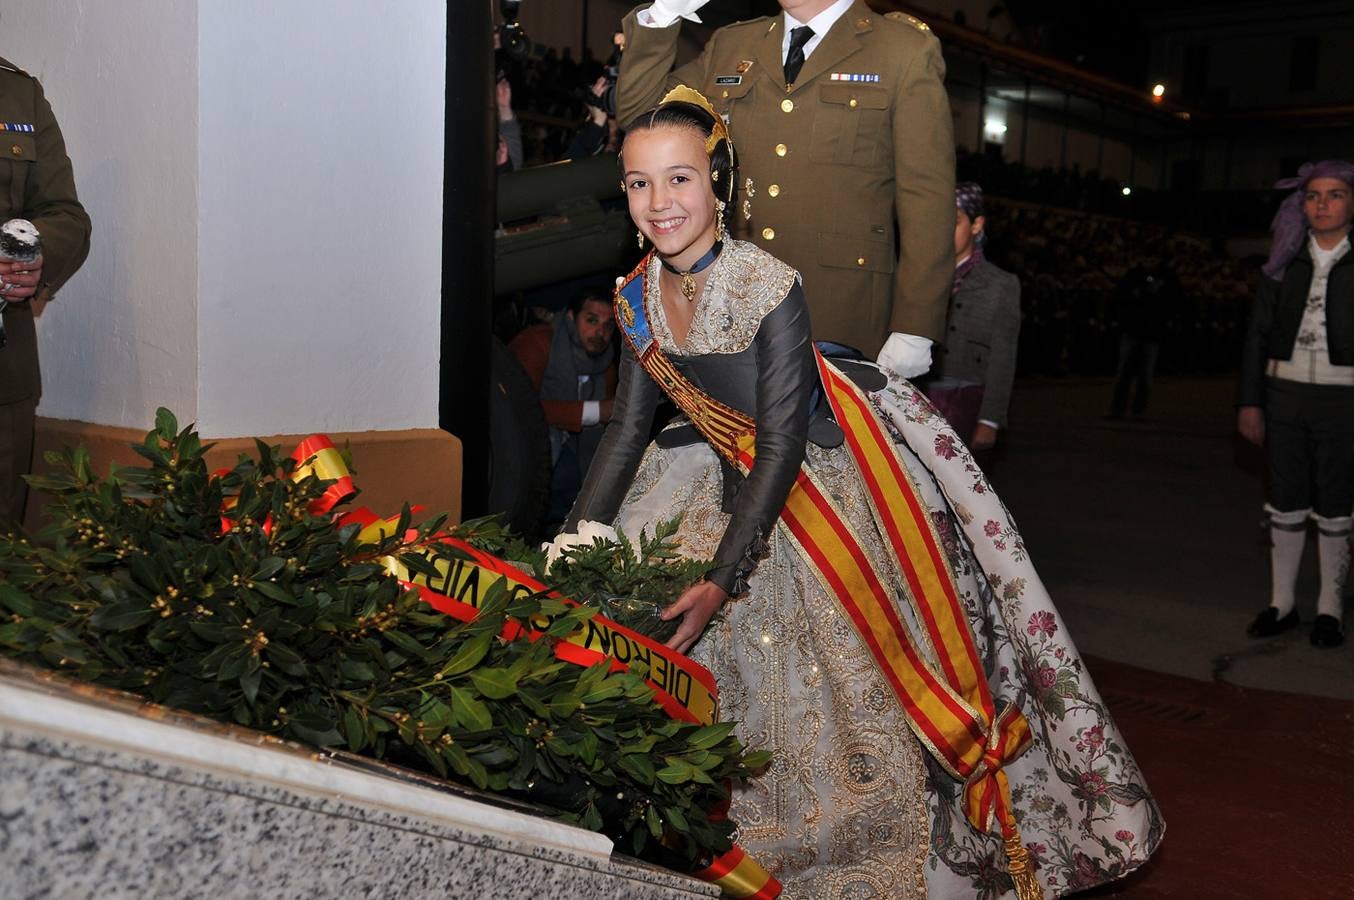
<point x="265" y="181"/>
<point x="321" y="214"/>
<point x="121" y="75"/>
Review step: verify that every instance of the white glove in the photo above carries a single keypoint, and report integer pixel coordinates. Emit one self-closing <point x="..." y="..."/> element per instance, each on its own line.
<point x="906" y="355"/>
<point x="662" y="13"/>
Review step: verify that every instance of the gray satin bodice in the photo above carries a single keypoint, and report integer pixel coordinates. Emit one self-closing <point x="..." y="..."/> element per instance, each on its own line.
<point x="773" y="380"/>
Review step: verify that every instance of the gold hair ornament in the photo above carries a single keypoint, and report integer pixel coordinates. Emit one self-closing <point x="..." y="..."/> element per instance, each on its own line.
<point x="683" y="94"/>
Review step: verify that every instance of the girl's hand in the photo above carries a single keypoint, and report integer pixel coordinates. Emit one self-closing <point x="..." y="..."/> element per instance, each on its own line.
<point x="697" y="605"/>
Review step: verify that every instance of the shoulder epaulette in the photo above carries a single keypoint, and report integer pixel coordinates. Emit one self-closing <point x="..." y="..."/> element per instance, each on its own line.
<point x="7" y="66"/>
<point x="911" y="20"/>
<point x="751" y="23"/>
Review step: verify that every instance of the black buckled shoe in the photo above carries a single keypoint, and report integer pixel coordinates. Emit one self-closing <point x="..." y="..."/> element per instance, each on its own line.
<point x="1268" y="623"/>
<point x="1327" y="632"/>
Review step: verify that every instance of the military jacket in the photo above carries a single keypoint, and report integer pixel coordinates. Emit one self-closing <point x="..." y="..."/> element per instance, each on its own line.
<point x="852" y="165"/>
<point x="36" y="183"/>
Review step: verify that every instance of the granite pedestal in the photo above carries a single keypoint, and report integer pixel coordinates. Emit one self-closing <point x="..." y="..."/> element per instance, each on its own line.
<point x="102" y="796"/>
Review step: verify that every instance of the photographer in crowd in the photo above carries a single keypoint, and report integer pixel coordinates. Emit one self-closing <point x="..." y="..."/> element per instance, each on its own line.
<point x="599" y="131"/>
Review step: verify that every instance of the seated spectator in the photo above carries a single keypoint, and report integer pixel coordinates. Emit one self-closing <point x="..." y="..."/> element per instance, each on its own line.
<point x="572" y="363"/>
<point x="970" y="382"/>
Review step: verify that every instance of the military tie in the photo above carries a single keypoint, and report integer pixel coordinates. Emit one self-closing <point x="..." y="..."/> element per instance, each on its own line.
<point x="794" y="60"/>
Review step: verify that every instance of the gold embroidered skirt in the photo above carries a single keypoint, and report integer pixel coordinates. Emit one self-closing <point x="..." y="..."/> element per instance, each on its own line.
<point x="842" y="811"/>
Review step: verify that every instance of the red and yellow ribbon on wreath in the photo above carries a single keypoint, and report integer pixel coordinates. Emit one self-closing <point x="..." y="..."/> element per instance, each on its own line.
<point x="684" y="689"/>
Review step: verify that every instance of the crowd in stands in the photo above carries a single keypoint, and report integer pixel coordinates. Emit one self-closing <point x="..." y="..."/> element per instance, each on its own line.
<point x="1089" y="191"/>
<point x="1071" y="263"/>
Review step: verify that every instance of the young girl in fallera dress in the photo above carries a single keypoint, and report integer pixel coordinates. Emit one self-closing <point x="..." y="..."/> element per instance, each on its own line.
<point x="778" y="472"/>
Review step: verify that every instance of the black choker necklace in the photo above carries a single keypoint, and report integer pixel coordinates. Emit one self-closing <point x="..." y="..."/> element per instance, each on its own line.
<point x="689" y="283"/>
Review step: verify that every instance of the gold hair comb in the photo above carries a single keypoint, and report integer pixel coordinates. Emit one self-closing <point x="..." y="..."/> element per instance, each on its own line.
<point x="683" y="94"/>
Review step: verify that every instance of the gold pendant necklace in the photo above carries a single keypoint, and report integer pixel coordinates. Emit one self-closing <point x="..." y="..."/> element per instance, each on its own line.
<point x="688" y="287"/>
<point x="688" y="277"/>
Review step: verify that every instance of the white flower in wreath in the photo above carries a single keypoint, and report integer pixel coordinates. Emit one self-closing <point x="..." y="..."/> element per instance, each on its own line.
<point x="587" y="533"/>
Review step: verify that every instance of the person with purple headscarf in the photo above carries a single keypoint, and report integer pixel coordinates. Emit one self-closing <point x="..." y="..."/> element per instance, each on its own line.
<point x="1296" y="396"/>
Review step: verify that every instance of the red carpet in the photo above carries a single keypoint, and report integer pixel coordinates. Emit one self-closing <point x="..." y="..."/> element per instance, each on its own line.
<point x="1257" y="787"/>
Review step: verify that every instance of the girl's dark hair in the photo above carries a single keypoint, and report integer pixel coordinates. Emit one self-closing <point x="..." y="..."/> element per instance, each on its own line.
<point x="723" y="160"/>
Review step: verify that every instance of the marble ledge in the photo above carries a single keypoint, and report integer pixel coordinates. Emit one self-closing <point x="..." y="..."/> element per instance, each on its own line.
<point x="102" y="795"/>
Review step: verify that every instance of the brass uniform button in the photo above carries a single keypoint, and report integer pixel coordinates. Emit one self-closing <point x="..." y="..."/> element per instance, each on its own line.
<point x="769" y="234"/>
<point x="19" y="151"/>
<point x="860" y="260"/>
<point x="787" y="105"/>
<point x="726" y="95"/>
<point x="781" y="149"/>
<point x="773" y="191"/>
<point x="854" y="103"/>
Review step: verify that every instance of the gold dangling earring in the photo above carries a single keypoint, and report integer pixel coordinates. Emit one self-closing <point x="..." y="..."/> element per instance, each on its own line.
<point x="719" y="220"/>
<point x="639" y="239"/>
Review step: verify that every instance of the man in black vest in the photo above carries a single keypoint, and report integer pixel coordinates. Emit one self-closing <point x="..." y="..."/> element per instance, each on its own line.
<point x="1297" y="392"/>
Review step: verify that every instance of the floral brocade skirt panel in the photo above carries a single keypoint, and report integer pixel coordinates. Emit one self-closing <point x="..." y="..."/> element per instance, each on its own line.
<point x="852" y="807"/>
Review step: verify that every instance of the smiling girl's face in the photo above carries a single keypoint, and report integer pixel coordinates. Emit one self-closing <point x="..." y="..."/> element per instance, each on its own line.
<point x="668" y="187"/>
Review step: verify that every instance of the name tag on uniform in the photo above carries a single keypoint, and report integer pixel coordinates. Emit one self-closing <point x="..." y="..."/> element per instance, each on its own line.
<point x="16" y="126"/>
<point x="728" y="79"/>
<point x="852" y="76"/>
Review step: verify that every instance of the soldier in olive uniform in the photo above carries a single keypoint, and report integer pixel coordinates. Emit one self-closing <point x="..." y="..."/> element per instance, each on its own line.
<point x="36" y="183"/>
<point x="858" y="136"/>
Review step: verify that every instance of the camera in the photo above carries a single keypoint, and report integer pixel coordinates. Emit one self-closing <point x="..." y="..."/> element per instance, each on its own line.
<point x="512" y="40"/>
<point x="607" y="102"/>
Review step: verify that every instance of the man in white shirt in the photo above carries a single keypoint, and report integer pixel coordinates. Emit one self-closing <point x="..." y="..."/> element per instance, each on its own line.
<point x="843" y="126"/>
